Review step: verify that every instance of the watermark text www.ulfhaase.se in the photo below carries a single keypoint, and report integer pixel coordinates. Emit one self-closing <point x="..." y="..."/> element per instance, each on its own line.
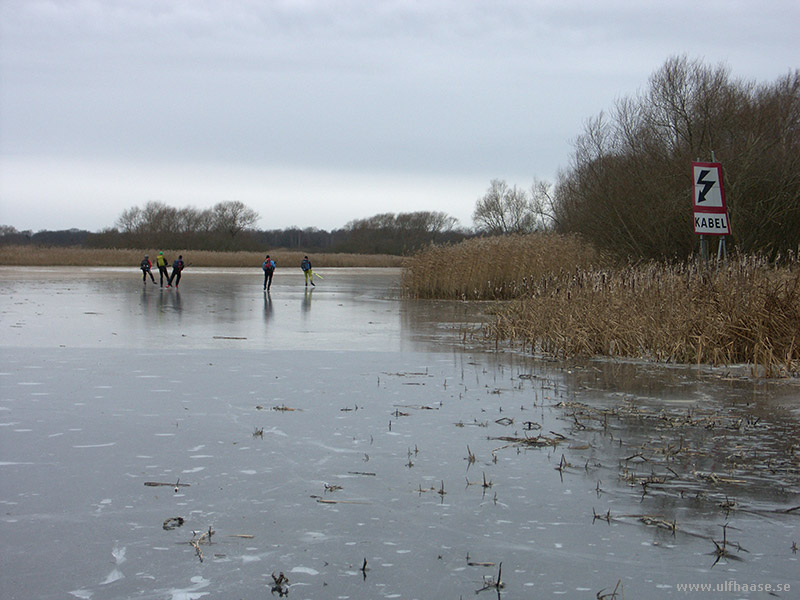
<point x="733" y="586"/>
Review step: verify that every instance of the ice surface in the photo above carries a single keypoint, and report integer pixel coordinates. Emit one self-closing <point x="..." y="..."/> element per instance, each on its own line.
<point x="315" y="431"/>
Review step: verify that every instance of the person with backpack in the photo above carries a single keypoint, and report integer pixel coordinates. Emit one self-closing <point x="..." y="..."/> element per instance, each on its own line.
<point x="145" y="267"/>
<point x="269" y="269"/>
<point x="306" y="266"/>
<point x="177" y="267"/>
<point x="161" y="263"/>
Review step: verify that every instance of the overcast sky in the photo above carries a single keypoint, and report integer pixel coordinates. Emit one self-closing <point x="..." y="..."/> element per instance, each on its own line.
<point x="316" y="113"/>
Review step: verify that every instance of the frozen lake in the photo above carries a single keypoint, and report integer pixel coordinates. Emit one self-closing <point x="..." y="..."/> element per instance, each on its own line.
<point x="315" y="430"/>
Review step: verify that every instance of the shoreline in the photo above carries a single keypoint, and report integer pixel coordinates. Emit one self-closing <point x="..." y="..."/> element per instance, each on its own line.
<point x="35" y="256"/>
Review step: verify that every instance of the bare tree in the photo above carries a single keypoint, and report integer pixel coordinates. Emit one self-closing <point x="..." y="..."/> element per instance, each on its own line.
<point x="130" y="221"/>
<point x="489" y="214"/>
<point x="192" y="220"/>
<point x="233" y="217"/>
<point x="542" y="204"/>
<point x="159" y="218"/>
<point x="440" y="222"/>
<point x="504" y="209"/>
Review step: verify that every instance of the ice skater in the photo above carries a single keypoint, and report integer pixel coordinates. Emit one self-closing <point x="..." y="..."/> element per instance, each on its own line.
<point x="306" y="266"/>
<point x="161" y="263"/>
<point x="269" y="269"/>
<point x="177" y="267"/>
<point x="145" y="267"/>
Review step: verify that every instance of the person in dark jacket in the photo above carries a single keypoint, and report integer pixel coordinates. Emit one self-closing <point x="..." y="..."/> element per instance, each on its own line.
<point x="177" y="267"/>
<point x="269" y="269"/>
<point x="145" y="267"/>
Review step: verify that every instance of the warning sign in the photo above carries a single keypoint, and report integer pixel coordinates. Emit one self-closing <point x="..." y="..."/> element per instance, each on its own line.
<point x="710" y="211"/>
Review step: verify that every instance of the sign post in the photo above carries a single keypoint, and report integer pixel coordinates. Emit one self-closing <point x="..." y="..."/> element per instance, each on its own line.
<point x="709" y="208"/>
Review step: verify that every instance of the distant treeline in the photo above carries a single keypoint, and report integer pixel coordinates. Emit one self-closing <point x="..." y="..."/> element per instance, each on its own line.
<point x="226" y="228"/>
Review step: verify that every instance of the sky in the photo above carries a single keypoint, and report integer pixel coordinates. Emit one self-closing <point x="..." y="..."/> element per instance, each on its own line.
<point x="315" y="113"/>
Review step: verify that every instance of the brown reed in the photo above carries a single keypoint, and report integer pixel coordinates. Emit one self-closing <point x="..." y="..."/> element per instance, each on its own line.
<point x="493" y="268"/>
<point x="114" y="257"/>
<point x="746" y="310"/>
<point x="559" y="297"/>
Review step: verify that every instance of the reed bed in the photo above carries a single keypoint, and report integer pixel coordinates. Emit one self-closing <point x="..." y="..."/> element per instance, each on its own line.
<point x="494" y="268"/>
<point x="131" y="257"/>
<point x="557" y="296"/>
<point x="744" y="311"/>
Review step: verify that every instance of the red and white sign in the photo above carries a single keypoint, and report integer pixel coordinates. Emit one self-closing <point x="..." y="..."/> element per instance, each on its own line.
<point x="710" y="211"/>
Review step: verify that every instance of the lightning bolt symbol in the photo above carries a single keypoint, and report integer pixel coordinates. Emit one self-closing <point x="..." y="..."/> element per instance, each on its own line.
<point x="707" y="185"/>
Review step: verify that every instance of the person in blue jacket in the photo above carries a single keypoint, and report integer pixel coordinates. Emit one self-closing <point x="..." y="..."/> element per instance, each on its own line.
<point x="177" y="267"/>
